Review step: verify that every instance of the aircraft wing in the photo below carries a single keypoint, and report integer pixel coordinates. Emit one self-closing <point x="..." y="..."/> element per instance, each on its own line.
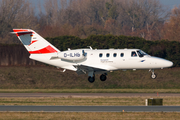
<point x="82" y="69"/>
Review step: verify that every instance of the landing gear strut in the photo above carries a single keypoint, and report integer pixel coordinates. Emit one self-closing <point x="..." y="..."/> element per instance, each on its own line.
<point x="103" y="77"/>
<point x="153" y="75"/>
<point x="91" y="77"/>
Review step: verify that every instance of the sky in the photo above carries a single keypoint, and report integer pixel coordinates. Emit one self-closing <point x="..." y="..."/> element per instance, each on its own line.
<point x="169" y="3"/>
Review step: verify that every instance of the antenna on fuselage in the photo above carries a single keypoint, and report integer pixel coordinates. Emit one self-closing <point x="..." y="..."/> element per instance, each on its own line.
<point x="90" y="47"/>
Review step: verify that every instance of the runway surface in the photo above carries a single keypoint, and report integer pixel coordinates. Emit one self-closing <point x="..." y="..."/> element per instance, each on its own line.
<point x="90" y="108"/>
<point x="88" y="94"/>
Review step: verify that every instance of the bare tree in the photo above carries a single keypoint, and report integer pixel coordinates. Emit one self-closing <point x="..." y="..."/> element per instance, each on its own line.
<point x="15" y="14"/>
<point x="143" y="18"/>
<point x="172" y="27"/>
<point x="142" y="15"/>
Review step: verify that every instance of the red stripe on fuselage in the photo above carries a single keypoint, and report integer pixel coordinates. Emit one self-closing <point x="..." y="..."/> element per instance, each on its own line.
<point x="45" y="50"/>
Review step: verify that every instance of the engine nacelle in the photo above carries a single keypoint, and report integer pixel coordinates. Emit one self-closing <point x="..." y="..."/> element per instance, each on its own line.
<point x="72" y="55"/>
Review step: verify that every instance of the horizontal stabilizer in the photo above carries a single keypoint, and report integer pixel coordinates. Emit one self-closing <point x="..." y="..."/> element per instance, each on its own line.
<point x="22" y="33"/>
<point x="54" y="57"/>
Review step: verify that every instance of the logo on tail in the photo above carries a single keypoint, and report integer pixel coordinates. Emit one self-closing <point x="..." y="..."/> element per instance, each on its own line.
<point x="37" y="46"/>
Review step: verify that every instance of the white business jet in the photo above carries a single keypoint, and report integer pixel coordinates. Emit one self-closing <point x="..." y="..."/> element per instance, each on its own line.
<point x="89" y="61"/>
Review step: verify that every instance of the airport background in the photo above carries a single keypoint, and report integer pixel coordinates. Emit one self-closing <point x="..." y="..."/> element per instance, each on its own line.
<point x="150" y="25"/>
<point x="148" y="19"/>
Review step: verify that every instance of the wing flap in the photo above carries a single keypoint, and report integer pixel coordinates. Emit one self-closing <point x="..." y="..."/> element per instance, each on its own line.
<point x="82" y="69"/>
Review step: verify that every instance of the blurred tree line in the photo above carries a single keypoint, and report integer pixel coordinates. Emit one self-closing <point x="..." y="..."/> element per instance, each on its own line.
<point x="165" y="49"/>
<point x="16" y="54"/>
<point x="147" y="19"/>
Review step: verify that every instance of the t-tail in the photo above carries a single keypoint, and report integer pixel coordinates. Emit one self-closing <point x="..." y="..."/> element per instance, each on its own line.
<point x="34" y="43"/>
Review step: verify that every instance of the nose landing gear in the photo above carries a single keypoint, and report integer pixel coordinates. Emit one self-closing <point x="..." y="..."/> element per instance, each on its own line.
<point x="153" y="75"/>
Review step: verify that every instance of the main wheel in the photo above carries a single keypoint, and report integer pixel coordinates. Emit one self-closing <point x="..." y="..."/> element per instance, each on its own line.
<point x="91" y="79"/>
<point x="153" y="76"/>
<point x="103" y="77"/>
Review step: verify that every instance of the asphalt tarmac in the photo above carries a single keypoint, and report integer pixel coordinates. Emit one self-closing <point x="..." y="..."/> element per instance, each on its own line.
<point x="90" y="108"/>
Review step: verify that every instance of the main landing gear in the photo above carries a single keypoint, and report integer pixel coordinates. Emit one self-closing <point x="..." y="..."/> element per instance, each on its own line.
<point x="103" y="77"/>
<point x="153" y="75"/>
<point x="91" y="79"/>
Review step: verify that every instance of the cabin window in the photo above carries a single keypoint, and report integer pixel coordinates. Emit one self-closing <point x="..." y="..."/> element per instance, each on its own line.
<point x="107" y="55"/>
<point x="100" y="55"/>
<point x="122" y="54"/>
<point x="133" y="54"/>
<point x="114" y="54"/>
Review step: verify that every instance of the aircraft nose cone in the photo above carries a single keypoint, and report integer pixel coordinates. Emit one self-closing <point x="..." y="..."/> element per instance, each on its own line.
<point x="168" y="63"/>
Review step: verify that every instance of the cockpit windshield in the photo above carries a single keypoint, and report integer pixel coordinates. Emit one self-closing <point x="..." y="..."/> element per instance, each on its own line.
<point x="141" y="53"/>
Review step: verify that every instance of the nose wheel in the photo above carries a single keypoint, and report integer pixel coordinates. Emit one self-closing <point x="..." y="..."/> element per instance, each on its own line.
<point x="153" y="75"/>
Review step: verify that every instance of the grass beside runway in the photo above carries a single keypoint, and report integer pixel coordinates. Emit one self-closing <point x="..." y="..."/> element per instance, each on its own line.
<point x="111" y="101"/>
<point x="89" y="115"/>
<point x="29" y="77"/>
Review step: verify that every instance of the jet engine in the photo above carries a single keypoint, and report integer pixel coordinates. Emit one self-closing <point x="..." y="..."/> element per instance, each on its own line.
<point x="72" y="55"/>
